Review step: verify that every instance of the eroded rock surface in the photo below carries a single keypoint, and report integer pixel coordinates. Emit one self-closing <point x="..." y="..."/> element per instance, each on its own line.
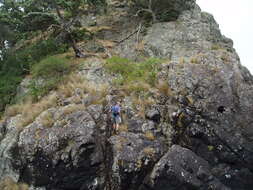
<point x="197" y="135"/>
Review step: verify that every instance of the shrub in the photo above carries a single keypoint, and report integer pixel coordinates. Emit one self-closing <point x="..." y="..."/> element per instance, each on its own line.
<point x="130" y="74"/>
<point x="52" y="70"/>
<point x="51" y="67"/>
<point x="16" y="63"/>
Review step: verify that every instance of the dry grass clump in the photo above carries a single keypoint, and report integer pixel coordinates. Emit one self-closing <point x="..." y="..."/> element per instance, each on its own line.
<point x="149" y="151"/>
<point x="29" y="111"/>
<point x="13" y="110"/>
<point x="98" y="92"/>
<point x="123" y="128"/>
<point x="72" y="108"/>
<point x="9" y="184"/>
<point x="140" y="46"/>
<point x="141" y="104"/>
<point x="194" y="60"/>
<point x="149" y="135"/>
<point x="164" y="88"/>
<point x="47" y="119"/>
<point x="74" y="82"/>
<point x="136" y="87"/>
<point x="181" y="60"/>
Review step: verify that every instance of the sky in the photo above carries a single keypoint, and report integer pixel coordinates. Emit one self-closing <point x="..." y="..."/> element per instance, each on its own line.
<point x="235" y="19"/>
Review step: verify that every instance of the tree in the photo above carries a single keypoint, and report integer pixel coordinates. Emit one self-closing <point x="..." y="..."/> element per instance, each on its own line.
<point x="22" y="16"/>
<point x="74" y="10"/>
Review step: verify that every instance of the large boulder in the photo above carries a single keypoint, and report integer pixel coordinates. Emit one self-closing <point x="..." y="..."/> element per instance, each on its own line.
<point x="62" y="156"/>
<point x="134" y="156"/>
<point x="180" y="168"/>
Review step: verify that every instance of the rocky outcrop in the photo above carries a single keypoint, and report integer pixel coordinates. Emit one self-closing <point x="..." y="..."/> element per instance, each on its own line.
<point x="165" y="10"/>
<point x="53" y="157"/>
<point x="134" y="155"/>
<point x="63" y="156"/>
<point x="180" y="168"/>
<point x="192" y="33"/>
<point x="197" y="135"/>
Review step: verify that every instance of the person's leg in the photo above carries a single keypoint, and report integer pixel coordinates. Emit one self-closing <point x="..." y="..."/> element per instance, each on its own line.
<point x="117" y="122"/>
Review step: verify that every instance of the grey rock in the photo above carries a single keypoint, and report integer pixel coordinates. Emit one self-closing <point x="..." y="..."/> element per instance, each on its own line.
<point x="166" y="10"/>
<point x="209" y="112"/>
<point x="53" y="156"/>
<point x="180" y="168"/>
<point x="9" y="133"/>
<point x="153" y="115"/>
<point x="133" y="157"/>
<point x="188" y="36"/>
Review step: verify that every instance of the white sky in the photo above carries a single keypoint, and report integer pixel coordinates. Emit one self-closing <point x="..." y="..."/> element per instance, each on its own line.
<point x="236" y="22"/>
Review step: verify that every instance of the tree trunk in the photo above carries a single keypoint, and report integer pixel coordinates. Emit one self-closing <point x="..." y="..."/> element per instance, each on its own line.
<point x="75" y="47"/>
<point x="66" y="28"/>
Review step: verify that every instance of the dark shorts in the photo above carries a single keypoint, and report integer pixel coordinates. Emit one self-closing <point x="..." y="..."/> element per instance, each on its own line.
<point x="116" y="119"/>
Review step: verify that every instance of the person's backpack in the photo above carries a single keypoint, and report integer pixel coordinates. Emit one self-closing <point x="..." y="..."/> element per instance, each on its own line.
<point x="115" y="110"/>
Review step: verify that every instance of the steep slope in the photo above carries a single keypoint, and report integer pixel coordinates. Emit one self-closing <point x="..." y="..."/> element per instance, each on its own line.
<point x="190" y="130"/>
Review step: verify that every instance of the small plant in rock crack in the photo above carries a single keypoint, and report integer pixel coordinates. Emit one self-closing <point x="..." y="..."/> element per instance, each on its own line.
<point x="149" y="151"/>
<point x="149" y="135"/>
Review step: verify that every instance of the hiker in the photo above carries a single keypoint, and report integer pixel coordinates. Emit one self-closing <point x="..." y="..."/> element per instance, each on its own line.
<point x="115" y="109"/>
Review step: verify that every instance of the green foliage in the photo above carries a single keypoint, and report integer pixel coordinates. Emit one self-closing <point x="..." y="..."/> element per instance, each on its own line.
<point x="51" y="67"/>
<point x="132" y="74"/>
<point x="18" y="63"/>
<point x="81" y="34"/>
<point x="38" y="89"/>
<point x="216" y="47"/>
<point x="8" y="85"/>
<point x="47" y="74"/>
<point x="19" y="21"/>
<point x="35" y="21"/>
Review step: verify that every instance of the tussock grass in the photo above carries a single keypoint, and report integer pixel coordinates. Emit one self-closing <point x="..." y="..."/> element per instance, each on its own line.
<point x="9" y="184"/>
<point x="181" y="60"/>
<point x="47" y="119"/>
<point x="141" y="104"/>
<point x="123" y="128"/>
<point x="149" y="151"/>
<point x="164" y="88"/>
<point x="149" y="135"/>
<point x="72" y="108"/>
<point x="74" y="82"/>
<point x="29" y="110"/>
<point x="77" y="82"/>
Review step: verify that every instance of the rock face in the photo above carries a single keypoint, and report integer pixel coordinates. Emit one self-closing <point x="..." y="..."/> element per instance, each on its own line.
<point x="52" y="157"/>
<point x="180" y="168"/>
<point x="166" y="10"/>
<point x="192" y="33"/>
<point x="196" y="136"/>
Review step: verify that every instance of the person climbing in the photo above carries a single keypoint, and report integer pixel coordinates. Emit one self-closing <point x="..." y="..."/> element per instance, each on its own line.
<point x="115" y="109"/>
